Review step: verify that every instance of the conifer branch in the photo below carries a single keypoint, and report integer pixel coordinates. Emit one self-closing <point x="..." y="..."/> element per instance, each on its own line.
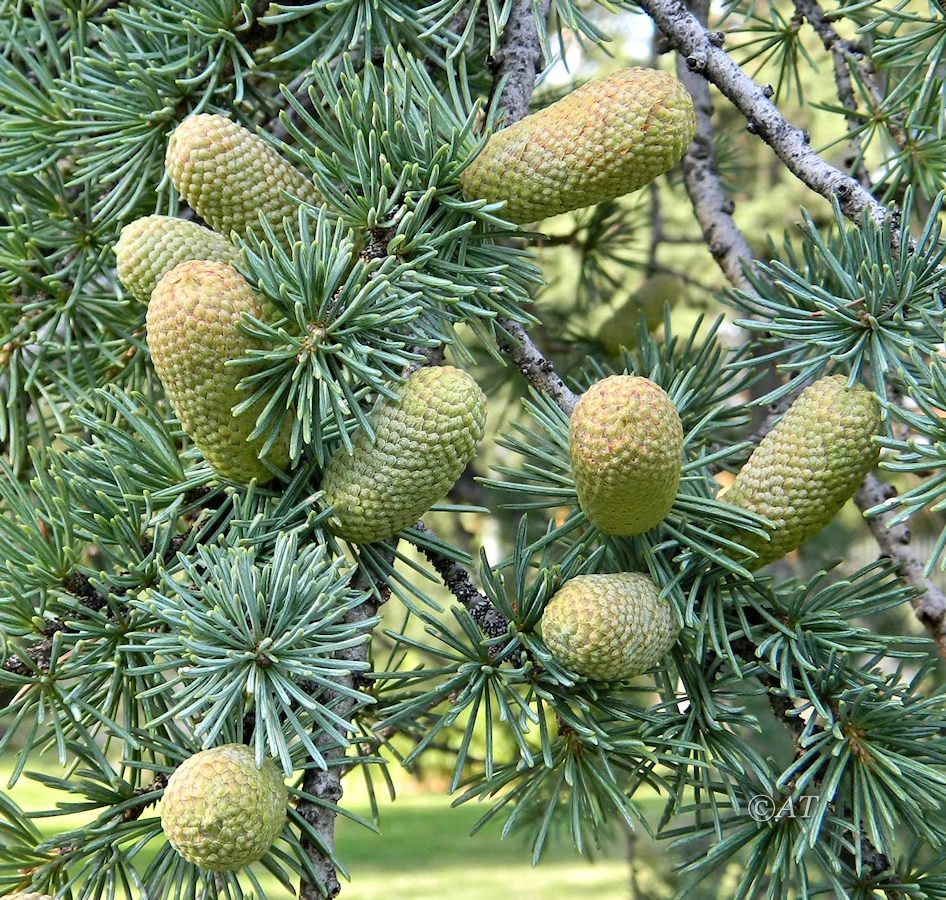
<point x="539" y="371"/>
<point x="845" y="55"/>
<point x="159" y="784"/>
<point x="519" y="62"/>
<point x="775" y="411"/>
<point x="458" y="581"/>
<point x="430" y="356"/>
<point x="894" y="542"/>
<point x="875" y="862"/>
<point x="706" y="194"/>
<point x="703" y="54"/>
<point x="700" y="52"/>
<point x="519" y="59"/>
<point x="811" y="11"/>
<point x="848" y="57"/>
<point x="737" y="250"/>
<point x="39" y="655"/>
<point x="326" y="783"/>
<point x="79" y="586"/>
<point x="783" y="708"/>
<point x="712" y="206"/>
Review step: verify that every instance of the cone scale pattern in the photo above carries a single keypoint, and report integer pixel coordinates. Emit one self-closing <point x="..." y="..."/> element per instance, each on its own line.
<point x="808" y="466"/>
<point x="194" y="329"/>
<point x="609" y="627"/>
<point x="605" y="139"/>
<point x="625" y="443"/>
<point x="221" y="812"/>
<point x="423" y="443"/>
<point x="229" y="176"/>
<point x="149" y="248"/>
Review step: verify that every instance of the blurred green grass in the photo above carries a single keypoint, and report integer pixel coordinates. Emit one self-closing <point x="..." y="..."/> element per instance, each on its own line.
<point x="425" y="850"/>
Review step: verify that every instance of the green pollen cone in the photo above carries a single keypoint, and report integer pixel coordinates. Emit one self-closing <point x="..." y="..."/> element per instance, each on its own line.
<point x="221" y="812"/>
<point x="605" y="139"/>
<point x="808" y="466"/>
<point x="625" y="442"/>
<point x="193" y="330"/>
<point x="423" y="442"/>
<point x="149" y="248"/>
<point x="230" y="176"/>
<point x="609" y="627"/>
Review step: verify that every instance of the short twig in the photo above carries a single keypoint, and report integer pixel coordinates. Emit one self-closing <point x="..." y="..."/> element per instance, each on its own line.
<point x="457" y="580"/>
<point x="539" y="371"/>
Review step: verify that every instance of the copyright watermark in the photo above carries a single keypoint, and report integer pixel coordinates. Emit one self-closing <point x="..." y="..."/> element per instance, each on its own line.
<point x="764" y="808"/>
